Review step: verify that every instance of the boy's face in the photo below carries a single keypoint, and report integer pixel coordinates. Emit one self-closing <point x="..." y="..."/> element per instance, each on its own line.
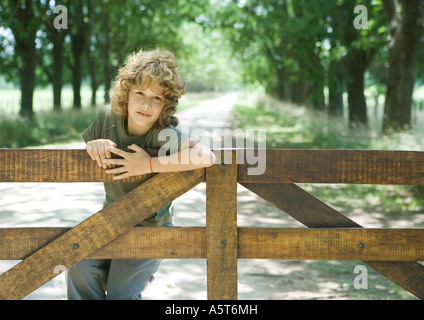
<point x="144" y="108"/>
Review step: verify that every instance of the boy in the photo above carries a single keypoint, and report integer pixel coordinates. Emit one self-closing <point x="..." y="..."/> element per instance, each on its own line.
<point x="144" y="99"/>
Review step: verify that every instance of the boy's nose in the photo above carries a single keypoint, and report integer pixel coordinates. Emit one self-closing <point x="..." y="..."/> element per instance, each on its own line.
<point x="147" y="103"/>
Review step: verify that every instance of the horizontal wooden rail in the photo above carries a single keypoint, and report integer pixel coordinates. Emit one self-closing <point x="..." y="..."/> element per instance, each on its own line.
<point x="53" y="165"/>
<point x="282" y="166"/>
<point x="332" y="244"/>
<point x="337" y="166"/>
<point x="154" y="242"/>
<point x="253" y="243"/>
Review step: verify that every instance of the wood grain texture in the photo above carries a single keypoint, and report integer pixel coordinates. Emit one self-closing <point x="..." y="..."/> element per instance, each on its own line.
<point x="282" y="166"/>
<point x="95" y="232"/>
<point x="54" y="165"/>
<point x="221" y="230"/>
<point x="405" y="274"/>
<point x="332" y="244"/>
<point x="138" y="242"/>
<point x="338" y="166"/>
<point x="253" y="243"/>
<point x="156" y="243"/>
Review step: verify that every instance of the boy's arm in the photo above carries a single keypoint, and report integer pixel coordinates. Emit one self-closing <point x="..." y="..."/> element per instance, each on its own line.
<point x="193" y="154"/>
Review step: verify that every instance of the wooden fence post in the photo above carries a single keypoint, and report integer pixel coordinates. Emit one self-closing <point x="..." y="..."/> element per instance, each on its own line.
<point x="221" y="229"/>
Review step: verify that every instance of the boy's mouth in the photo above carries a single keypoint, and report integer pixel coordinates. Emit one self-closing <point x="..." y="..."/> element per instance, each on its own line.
<point x="142" y="114"/>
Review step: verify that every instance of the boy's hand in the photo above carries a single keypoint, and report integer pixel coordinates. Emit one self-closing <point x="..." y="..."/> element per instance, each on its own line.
<point x="132" y="163"/>
<point x="98" y="150"/>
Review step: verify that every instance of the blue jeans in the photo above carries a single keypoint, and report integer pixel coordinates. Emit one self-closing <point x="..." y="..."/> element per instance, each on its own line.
<point x="111" y="279"/>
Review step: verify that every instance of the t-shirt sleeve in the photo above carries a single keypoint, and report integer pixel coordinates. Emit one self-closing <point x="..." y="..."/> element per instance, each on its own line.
<point x="88" y="134"/>
<point x="94" y="131"/>
<point x="170" y="139"/>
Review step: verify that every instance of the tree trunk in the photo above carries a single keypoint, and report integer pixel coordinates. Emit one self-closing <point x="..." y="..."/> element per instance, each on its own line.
<point x="24" y="26"/>
<point x="356" y="99"/>
<point x="76" y="85"/>
<point x="299" y="90"/>
<point x="57" y="74"/>
<point x="316" y="79"/>
<point x="105" y="52"/>
<point x="93" y="78"/>
<point x="91" y="61"/>
<point x="280" y="90"/>
<point x="357" y="63"/>
<point x="406" y="29"/>
<point x="335" y="90"/>
<point x="107" y="74"/>
<point x="79" y="39"/>
<point x="78" y="47"/>
<point x="317" y="96"/>
<point x="27" y="74"/>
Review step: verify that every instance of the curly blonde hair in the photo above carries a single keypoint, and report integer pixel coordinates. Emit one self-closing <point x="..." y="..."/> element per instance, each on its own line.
<point x="140" y="70"/>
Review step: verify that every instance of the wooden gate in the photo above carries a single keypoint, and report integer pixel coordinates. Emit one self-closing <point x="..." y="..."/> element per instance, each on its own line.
<point x="110" y="233"/>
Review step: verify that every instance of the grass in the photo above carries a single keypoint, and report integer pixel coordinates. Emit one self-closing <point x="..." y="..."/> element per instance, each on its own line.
<point x="47" y="127"/>
<point x="378" y="206"/>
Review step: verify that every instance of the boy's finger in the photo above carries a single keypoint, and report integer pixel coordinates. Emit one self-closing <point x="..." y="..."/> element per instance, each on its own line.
<point x="96" y="156"/>
<point x="102" y="157"/>
<point x="89" y="150"/>
<point x="117" y="170"/>
<point x="117" y="151"/>
<point x="121" y="176"/>
<point x="118" y="162"/>
<point x="107" y="153"/>
<point x="135" y="147"/>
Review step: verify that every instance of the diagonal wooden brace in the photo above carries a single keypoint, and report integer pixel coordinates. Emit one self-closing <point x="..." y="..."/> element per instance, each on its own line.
<point x="96" y="231"/>
<point x="314" y="213"/>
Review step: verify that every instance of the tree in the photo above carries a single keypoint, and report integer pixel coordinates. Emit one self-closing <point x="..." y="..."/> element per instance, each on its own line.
<point x="92" y="55"/>
<point x="354" y="38"/>
<point x="24" y="18"/>
<point x="79" y="34"/>
<point x="406" y="19"/>
<point x="56" y="37"/>
<point x="278" y="41"/>
<point x="132" y="25"/>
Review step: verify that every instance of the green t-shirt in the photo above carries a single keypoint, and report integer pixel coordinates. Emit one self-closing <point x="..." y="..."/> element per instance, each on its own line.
<point x="107" y="125"/>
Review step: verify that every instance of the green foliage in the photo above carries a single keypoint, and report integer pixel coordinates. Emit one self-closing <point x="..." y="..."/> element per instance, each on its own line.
<point x="295" y="50"/>
<point x="47" y="127"/>
<point x="15" y="131"/>
<point x="100" y="34"/>
<point x="207" y="64"/>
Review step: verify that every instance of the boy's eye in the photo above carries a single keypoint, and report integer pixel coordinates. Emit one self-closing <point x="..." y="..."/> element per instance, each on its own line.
<point x="158" y="98"/>
<point x="140" y="93"/>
